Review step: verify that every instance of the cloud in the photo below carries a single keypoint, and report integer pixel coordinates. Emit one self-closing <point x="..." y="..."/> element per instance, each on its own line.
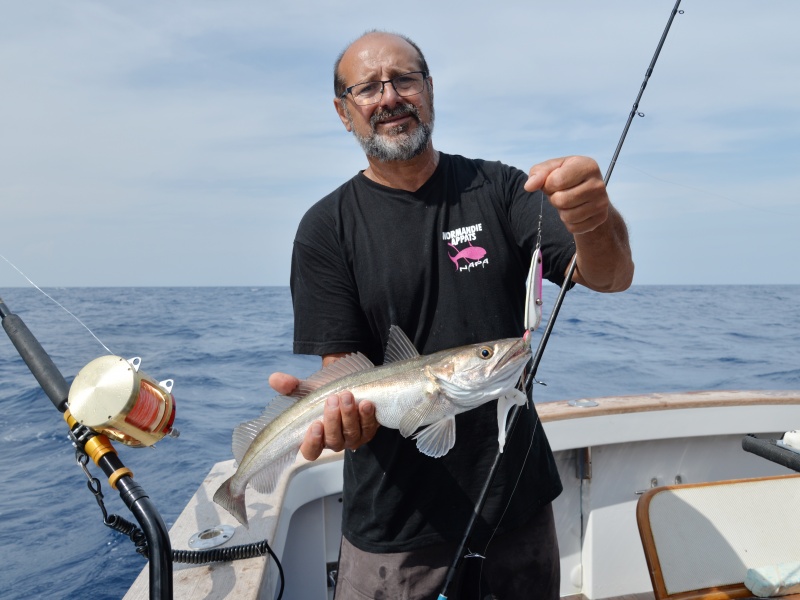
<point x="180" y="143"/>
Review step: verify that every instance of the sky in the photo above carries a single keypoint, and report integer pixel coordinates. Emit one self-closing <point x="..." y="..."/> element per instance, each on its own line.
<point x="179" y="143"/>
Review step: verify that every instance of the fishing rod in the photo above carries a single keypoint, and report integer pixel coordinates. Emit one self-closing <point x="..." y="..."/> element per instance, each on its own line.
<point x="574" y="263"/>
<point x="143" y="412"/>
<point x="153" y="534"/>
<point x="537" y="357"/>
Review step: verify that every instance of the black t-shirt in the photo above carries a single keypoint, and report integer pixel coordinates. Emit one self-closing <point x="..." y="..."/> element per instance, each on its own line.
<point x="447" y="264"/>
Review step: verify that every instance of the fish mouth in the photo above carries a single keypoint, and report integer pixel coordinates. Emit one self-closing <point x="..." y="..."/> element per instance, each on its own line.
<point x="519" y="349"/>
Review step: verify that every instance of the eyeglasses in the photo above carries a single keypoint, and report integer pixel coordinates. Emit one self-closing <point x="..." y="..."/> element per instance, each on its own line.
<point x="371" y="92"/>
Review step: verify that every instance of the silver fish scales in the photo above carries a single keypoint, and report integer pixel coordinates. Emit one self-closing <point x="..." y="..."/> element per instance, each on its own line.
<point x="409" y="391"/>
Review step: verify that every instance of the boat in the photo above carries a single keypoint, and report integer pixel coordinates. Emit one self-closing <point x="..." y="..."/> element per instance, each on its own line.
<point x="609" y="452"/>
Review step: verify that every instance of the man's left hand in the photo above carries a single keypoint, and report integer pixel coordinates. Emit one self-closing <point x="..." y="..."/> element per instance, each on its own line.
<point x="575" y="188"/>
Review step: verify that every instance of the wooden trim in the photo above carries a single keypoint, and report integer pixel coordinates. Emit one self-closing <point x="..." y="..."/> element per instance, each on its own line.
<point x="649" y="544"/>
<point x="726" y="592"/>
<point x="615" y="405"/>
<point x="639" y="596"/>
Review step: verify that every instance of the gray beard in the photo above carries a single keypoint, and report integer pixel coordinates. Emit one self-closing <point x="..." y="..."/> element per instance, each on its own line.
<point x="399" y="145"/>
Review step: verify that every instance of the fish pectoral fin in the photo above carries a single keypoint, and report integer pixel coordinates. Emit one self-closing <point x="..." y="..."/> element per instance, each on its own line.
<point x="504" y="404"/>
<point x="437" y="439"/>
<point x="245" y="433"/>
<point x="266" y="479"/>
<point x="417" y="416"/>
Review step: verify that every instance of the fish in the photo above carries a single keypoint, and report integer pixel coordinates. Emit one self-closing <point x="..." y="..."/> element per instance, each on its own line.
<point x="469" y="253"/>
<point x="409" y="391"/>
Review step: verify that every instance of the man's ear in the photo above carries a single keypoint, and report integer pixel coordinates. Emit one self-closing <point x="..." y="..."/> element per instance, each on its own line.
<point x="338" y="103"/>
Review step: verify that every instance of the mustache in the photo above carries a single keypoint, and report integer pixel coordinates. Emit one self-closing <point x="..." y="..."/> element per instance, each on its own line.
<point x="388" y="113"/>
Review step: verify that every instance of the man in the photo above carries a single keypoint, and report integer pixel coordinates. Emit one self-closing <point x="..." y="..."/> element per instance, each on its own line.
<point x="440" y="246"/>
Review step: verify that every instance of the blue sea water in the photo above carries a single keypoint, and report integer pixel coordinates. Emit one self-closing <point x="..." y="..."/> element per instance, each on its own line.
<point x="219" y="345"/>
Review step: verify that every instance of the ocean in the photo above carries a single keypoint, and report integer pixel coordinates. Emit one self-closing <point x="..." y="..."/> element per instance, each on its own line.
<point x="219" y="345"/>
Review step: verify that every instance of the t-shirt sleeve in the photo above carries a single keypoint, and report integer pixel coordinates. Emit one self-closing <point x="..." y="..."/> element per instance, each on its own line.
<point x="327" y="317"/>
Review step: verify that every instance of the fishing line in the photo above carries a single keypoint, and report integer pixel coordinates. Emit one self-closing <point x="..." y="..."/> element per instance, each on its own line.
<point x="551" y="322"/>
<point x="57" y="303"/>
<point x="514" y="489"/>
<point x="706" y="192"/>
<point x="574" y="263"/>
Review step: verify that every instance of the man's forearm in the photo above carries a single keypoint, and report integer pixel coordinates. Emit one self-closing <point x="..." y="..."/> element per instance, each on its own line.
<point x="604" y="256"/>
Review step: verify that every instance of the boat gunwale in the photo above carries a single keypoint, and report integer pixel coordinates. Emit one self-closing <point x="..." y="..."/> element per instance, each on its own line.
<point x="617" y="405"/>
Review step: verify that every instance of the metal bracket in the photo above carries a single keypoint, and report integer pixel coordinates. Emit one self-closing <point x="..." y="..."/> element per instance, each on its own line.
<point x="583" y="463"/>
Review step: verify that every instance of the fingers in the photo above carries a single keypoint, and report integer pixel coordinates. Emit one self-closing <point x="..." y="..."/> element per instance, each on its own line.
<point x="313" y="442"/>
<point x="538" y="174"/>
<point x="283" y="383"/>
<point x="369" y="424"/>
<point x="345" y="424"/>
<point x="338" y="421"/>
<point x="582" y="208"/>
<point x="576" y="189"/>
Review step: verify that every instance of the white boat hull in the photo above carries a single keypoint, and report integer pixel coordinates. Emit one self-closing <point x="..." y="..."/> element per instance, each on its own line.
<point x="607" y="454"/>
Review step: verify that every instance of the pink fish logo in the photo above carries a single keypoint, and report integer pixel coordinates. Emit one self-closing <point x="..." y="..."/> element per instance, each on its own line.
<point x="470" y="253"/>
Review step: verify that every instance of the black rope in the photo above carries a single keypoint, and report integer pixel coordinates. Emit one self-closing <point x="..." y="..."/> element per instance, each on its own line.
<point x="125" y="527"/>
<point x="210" y="555"/>
<point x="194" y="557"/>
<point x="199" y="557"/>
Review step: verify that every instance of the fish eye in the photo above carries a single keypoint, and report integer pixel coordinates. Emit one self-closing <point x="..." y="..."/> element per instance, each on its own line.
<point x="486" y="352"/>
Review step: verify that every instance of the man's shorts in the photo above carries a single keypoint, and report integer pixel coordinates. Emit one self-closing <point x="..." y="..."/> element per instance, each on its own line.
<point x="519" y="564"/>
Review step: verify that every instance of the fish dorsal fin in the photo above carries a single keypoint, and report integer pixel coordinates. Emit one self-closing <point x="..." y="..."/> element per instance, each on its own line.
<point x="399" y="347"/>
<point x="245" y="433"/>
<point x="302" y="390"/>
<point x="437" y="439"/>
<point x="347" y="365"/>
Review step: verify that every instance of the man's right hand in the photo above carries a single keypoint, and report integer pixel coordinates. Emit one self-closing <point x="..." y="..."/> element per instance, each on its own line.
<point x="345" y="423"/>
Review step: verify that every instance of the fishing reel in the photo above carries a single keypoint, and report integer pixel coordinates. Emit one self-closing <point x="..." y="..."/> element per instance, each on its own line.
<point x="113" y="397"/>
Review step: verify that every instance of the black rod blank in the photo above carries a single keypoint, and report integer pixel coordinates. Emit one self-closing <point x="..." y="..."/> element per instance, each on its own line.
<point x="537" y="357"/>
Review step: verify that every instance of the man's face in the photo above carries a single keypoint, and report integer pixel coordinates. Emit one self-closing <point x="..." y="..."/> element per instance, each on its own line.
<point x="395" y="128"/>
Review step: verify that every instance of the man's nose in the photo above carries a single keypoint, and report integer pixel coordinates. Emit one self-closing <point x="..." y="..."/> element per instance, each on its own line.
<point x="390" y="97"/>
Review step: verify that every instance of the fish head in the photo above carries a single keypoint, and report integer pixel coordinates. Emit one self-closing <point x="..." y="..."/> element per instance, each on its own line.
<point x="474" y="374"/>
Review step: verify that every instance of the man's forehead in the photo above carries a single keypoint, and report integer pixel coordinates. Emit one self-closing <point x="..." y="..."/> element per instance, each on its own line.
<point x="377" y="52"/>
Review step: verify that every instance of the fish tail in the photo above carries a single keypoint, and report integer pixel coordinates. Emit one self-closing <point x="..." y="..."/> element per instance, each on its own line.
<point x="232" y="502"/>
